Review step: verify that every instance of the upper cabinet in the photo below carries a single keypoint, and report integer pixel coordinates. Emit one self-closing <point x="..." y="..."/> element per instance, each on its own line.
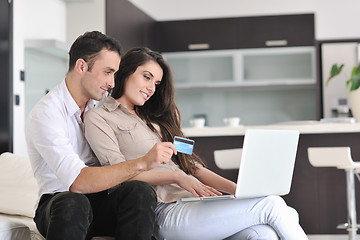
<point x="234" y="33"/>
<point x="261" y="67"/>
<point x="134" y="28"/>
<point x="205" y="34"/>
<point x="128" y="24"/>
<point x="275" y="31"/>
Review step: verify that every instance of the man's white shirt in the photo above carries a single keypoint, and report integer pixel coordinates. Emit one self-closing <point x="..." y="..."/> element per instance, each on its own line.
<point x="57" y="147"/>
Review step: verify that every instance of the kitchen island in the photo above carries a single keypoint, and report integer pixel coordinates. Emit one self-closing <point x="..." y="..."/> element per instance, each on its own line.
<point x="318" y="194"/>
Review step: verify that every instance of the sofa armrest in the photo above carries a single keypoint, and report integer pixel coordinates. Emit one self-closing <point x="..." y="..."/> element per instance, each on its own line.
<point x="18" y="187"/>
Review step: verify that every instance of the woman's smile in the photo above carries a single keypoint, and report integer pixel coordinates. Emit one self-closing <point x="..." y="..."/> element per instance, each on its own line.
<point x="146" y="96"/>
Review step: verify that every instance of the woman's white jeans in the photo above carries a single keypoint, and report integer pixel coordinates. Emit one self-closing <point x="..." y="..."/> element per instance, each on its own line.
<point x="220" y="219"/>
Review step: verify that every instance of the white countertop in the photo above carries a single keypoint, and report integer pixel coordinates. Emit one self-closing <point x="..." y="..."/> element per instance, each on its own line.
<point x="305" y="127"/>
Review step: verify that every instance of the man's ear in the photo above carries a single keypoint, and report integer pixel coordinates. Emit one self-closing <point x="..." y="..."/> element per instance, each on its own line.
<point x="81" y="66"/>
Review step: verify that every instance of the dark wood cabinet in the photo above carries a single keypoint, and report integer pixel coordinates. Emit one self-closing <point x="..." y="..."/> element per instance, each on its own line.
<point x="134" y="28"/>
<point x="234" y="33"/>
<point x="318" y="194"/>
<point x="128" y="24"/>
<point x="6" y="90"/>
<point x="205" y="34"/>
<point x="274" y="31"/>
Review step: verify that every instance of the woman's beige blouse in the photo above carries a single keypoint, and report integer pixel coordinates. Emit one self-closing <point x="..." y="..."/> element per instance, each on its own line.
<point x="116" y="135"/>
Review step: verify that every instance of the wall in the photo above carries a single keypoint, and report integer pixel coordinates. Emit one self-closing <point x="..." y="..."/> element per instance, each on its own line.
<point x="84" y="16"/>
<point x="61" y="22"/>
<point x="31" y="22"/>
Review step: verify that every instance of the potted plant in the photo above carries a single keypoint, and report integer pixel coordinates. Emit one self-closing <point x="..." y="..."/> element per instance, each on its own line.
<point x="352" y="85"/>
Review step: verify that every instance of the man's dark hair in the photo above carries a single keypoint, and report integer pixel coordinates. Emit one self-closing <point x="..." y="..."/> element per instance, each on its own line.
<point x="88" y="46"/>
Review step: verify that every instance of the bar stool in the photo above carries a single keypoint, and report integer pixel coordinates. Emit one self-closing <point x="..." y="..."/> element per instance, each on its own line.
<point x="340" y="157"/>
<point x="228" y="159"/>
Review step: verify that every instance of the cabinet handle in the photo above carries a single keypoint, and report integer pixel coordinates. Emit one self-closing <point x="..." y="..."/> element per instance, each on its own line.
<point x="198" y="46"/>
<point x="272" y="43"/>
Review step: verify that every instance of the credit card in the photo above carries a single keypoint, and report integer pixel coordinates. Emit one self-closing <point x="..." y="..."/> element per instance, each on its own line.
<point x="184" y="145"/>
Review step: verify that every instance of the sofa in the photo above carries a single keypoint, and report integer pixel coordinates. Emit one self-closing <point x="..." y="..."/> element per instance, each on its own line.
<point x="19" y="194"/>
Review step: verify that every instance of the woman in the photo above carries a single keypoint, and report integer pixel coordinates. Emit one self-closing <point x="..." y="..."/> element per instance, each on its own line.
<point x="140" y="113"/>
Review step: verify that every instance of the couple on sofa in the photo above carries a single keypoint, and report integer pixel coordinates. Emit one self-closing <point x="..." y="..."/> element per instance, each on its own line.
<point x="130" y="187"/>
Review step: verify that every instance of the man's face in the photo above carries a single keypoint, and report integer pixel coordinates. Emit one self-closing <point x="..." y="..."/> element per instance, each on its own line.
<point x="101" y="76"/>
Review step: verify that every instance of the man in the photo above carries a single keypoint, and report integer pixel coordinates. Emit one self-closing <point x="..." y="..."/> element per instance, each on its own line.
<point x="74" y="199"/>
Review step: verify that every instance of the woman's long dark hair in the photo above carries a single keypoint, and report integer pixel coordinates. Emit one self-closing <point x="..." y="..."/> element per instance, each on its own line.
<point x="160" y="109"/>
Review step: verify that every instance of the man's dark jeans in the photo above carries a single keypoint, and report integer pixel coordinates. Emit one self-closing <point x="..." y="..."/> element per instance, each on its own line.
<point x="127" y="213"/>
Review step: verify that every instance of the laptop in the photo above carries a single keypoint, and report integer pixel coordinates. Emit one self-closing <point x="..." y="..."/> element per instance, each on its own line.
<point x="266" y="166"/>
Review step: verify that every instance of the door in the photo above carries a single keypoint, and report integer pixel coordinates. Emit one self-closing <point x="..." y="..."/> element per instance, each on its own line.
<point x="335" y="95"/>
<point x="6" y="91"/>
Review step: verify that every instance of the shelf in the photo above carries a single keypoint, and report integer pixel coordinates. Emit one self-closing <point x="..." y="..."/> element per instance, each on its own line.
<point x="51" y="47"/>
<point x="262" y="84"/>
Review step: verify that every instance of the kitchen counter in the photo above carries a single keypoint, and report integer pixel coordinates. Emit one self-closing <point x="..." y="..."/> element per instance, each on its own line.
<point x="305" y="127"/>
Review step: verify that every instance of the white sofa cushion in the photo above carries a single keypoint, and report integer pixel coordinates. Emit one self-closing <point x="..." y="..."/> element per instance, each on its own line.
<point x="18" y="187"/>
<point x="13" y="230"/>
<point x="12" y="227"/>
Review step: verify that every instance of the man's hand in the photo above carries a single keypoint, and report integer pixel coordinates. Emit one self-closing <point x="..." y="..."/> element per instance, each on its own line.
<point x="160" y="153"/>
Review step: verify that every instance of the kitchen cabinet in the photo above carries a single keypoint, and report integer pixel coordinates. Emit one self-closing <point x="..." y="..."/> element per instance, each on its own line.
<point x="204" y="69"/>
<point x="292" y="66"/>
<point x="233" y="33"/>
<point x="272" y="31"/>
<point x="261" y="86"/>
<point x="134" y="28"/>
<point x="131" y="26"/>
<point x="204" y="34"/>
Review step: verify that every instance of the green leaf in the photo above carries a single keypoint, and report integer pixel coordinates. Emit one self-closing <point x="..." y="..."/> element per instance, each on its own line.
<point x="335" y="70"/>
<point x="355" y="78"/>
